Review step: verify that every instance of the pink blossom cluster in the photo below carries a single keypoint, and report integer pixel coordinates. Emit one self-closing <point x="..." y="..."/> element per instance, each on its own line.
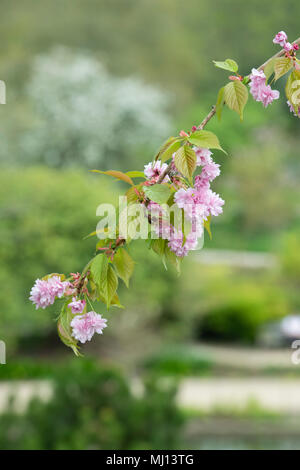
<point x="200" y="202"/>
<point x="282" y="39"/>
<point x="260" y="90"/>
<point x="292" y="109"/>
<point x="85" y="326"/>
<point x="77" y="306"/>
<point x="153" y="170"/>
<point x="178" y="247"/>
<point x="44" y="292"/>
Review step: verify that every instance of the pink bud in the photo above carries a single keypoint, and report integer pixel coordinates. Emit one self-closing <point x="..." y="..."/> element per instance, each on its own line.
<point x="234" y="77"/>
<point x="296" y="47"/>
<point x="183" y="134"/>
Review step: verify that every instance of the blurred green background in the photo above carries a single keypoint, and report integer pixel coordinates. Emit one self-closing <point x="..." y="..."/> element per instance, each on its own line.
<point x="99" y="84"/>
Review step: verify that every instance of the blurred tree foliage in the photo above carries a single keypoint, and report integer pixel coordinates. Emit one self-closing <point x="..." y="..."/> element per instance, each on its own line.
<point x="162" y="41"/>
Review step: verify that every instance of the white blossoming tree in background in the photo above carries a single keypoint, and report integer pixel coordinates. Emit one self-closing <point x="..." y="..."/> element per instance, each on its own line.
<point x="82" y="114"/>
<point x="178" y="179"/>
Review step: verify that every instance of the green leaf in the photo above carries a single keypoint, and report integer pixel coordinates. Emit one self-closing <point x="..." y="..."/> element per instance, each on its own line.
<point x="124" y="265"/>
<point x="158" y="193"/>
<point x="135" y="174"/>
<point x="132" y="195"/>
<point x="65" y="331"/>
<point x="207" y="226"/>
<point x="269" y="69"/>
<point x="168" y="148"/>
<point x="281" y="66"/>
<point x="99" y="268"/>
<point x="236" y="96"/>
<point x="115" y="301"/>
<point x="292" y="89"/>
<point x="205" y="139"/>
<point x="228" y="64"/>
<point x="220" y="103"/>
<point x="99" y="264"/>
<point x="173" y="259"/>
<point x="116" y="174"/>
<point x="185" y="161"/>
<point x="109" y="285"/>
<point x="159" y="246"/>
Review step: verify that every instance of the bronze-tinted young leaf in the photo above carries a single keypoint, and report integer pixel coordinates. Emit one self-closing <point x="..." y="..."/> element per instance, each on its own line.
<point x="185" y="161"/>
<point x="116" y="174"/>
<point x="205" y="139"/>
<point x="135" y="174"/>
<point x="281" y="66"/>
<point x="124" y="265"/>
<point x="236" y="96"/>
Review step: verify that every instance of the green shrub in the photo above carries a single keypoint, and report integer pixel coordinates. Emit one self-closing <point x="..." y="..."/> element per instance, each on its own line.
<point x="242" y="313"/>
<point x="94" y="408"/>
<point x="178" y="361"/>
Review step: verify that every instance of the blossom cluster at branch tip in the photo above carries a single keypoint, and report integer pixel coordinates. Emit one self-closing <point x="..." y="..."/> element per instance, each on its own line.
<point x="85" y="326"/>
<point x="260" y="90"/>
<point x="44" y="292"/>
<point x="281" y="38"/>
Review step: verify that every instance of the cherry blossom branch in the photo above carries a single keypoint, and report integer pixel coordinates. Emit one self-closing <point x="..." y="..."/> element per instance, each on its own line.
<point x="212" y="112"/>
<point x="279" y="54"/>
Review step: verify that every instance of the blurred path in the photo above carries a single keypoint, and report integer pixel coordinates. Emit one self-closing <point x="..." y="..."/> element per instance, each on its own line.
<point x="23" y="392"/>
<point x="209" y="394"/>
<point x="247" y="358"/>
<point x="239" y="259"/>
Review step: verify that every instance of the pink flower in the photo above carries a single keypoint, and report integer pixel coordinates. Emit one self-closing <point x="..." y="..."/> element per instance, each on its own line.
<point x="85" y="326"/>
<point x="296" y="47"/>
<point x="280" y="38"/>
<point x="56" y="286"/>
<point x="44" y="292"/>
<point x="77" y="306"/>
<point x="176" y="242"/>
<point x="152" y="171"/>
<point x="268" y="95"/>
<point x="184" y="197"/>
<point x="288" y="47"/>
<point x="203" y="156"/>
<point x="215" y="203"/>
<point x="259" y="90"/>
<point x="210" y="171"/>
<point x="201" y="183"/>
